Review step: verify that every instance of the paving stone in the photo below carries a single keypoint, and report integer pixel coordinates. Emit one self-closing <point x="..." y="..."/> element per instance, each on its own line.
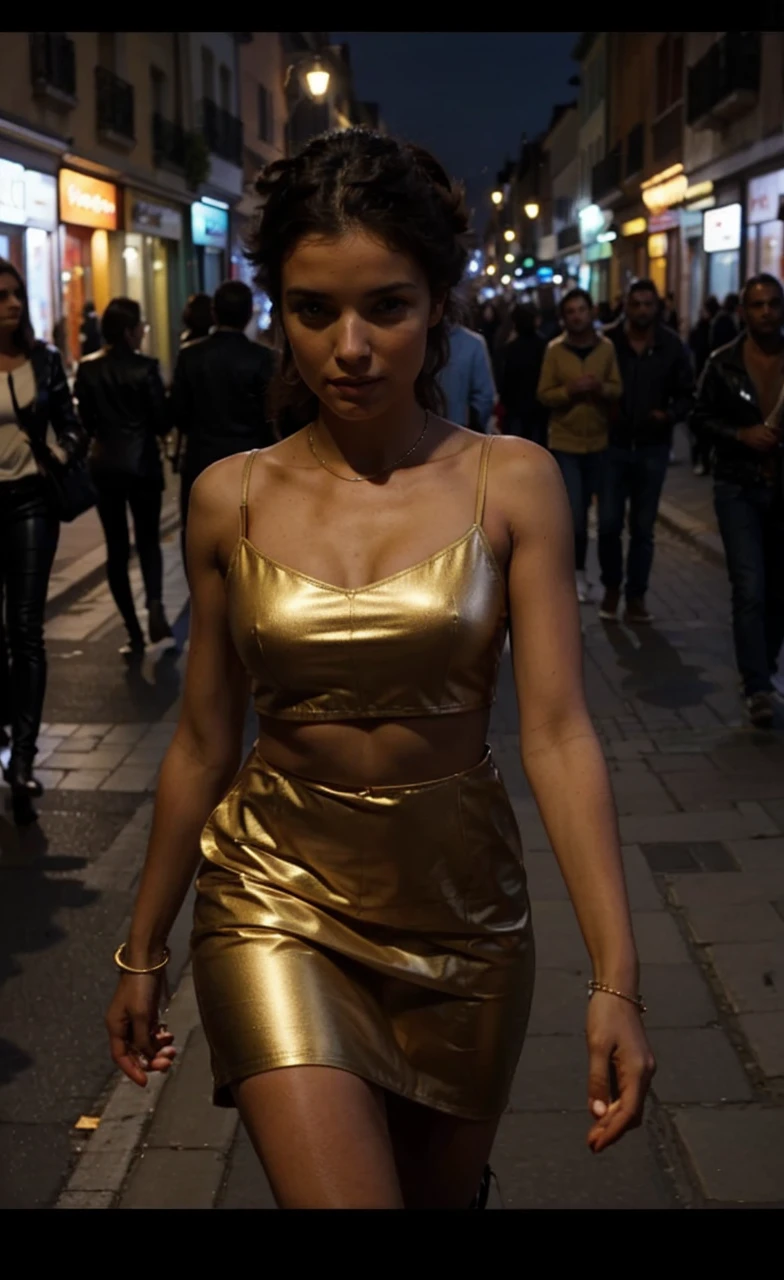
<point x="676" y="996"/>
<point x="722" y="824"/>
<point x="552" y="1075"/>
<point x="83" y="780"/>
<point x="765" y="1034"/>
<point x="749" y="757"/>
<point x="688" y="856"/>
<point x="129" y="733"/>
<point x="85" y="1200"/>
<point x="185" y="1116"/>
<point x="632" y="748"/>
<point x="697" y="1064"/>
<point x="640" y="884"/>
<point x="168" y="1179"/>
<point x="759" y="855"/>
<point x="131" y="778"/>
<point x="752" y="974"/>
<point x="731" y="922"/>
<point x="686" y="763"/>
<point x="727" y="890"/>
<point x="50" y="778"/>
<point x="559" y="943"/>
<point x="737" y="1152"/>
<point x="702" y="790"/>
<point x="99" y="758"/>
<point x="775" y="809"/>
<point x="543" y="1162"/>
<point x="759" y="819"/>
<point x="559" y="1003"/>
<point x="658" y="939"/>
<point x="545" y="882"/>
<point x="91" y="731"/>
<point x="532" y="830"/>
<point x="61" y="730"/>
<point x="247" y="1186"/>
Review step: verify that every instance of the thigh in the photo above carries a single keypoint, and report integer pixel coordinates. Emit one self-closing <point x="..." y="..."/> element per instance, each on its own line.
<point x="569" y="464"/>
<point x="31" y="543"/>
<point x="613" y="491"/>
<point x="144" y="499"/>
<point x="741" y="528"/>
<point x="322" y="1136"/>
<point x="440" y="1158"/>
<point x="111" y="503"/>
<point x="649" y="468"/>
<point x="773" y="548"/>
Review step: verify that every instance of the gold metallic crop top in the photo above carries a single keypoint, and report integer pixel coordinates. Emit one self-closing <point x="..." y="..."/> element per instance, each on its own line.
<point x="425" y="641"/>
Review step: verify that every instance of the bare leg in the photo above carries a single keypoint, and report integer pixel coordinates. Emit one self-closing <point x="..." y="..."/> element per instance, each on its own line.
<point x="322" y="1137"/>
<point x="440" y="1158"/>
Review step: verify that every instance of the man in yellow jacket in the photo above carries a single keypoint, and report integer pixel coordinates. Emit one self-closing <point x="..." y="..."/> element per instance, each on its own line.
<point x="579" y="379"/>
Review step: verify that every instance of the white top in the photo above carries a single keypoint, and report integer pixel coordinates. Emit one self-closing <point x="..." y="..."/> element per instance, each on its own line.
<point x="16" y="455"/>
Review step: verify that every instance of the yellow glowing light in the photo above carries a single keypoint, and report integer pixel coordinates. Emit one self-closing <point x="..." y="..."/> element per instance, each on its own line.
<point x="509" y="236"/>
<point x="635" y="227"/>
<point x="497" y="197"/>
<point x="657" y="245"/>
<point x="699" y="191"/>
<point x="490" y="270"/>
<point x="665" y="189"/>
<point x="506" y="279"/>
<point x="508" y="257"/>
<point x="317" y="80"/>
<point x="531" y="209"/>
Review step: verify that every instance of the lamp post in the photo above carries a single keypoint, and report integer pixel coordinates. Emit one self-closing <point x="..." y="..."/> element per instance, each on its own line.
<point x="531" y="209"/>
<point x="497" y="197"/>
<point x="307" y="80"/>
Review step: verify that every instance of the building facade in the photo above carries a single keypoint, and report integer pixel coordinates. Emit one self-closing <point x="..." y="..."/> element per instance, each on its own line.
<point x="563" y="159"/>
<point x="596" y="172"/>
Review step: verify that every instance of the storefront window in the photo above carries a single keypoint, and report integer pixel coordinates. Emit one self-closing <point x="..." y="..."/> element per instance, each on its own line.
<point x="770" y="246"/>
<point x="39" y="272"/>
<point x="724" y="273"/>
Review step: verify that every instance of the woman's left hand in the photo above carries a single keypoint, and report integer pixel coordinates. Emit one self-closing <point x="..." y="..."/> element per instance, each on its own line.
<point x="617" y="1047"/>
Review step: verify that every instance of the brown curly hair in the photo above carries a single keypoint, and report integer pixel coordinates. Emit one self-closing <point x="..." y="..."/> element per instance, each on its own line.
<point x="393" y="189"/>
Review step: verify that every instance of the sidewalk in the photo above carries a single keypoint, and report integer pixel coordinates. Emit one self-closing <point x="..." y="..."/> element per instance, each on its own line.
<point x="700" y="798"/>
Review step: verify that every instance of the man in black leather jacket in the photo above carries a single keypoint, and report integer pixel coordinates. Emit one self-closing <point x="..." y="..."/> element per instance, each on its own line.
<point x="122" y="404"/>
<point x="219" y="391"/>
<point x="739" y="404"/>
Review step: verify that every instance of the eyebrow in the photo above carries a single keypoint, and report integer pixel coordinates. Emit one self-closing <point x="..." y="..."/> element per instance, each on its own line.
<point x="297" y="292"/>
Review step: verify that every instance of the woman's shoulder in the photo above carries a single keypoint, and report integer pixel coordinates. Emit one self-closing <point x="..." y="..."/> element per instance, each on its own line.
<point x="514" y="462"/>
<point x="224" y="481"/>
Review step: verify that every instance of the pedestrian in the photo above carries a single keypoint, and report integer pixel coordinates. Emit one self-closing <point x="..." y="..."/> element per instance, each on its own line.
<point x="219" y="391"/>
<point x="90" y="332"/>
<point x="617" y="308"/>
<point x="385" y="963"/>
<point x="196" y="318"/>
<point x="122" y="403"/>
<point x="739" y="403"/>
<point x="699" y="344"/>
<point x="524" y="415"/>
<point x="658" y="384"/>
<point x="669" y="315"/>
<point x="726" y="324"/>
<point x="466" y="379"/>
<point x="32" y="375"/>
<point x="578" y="383"/>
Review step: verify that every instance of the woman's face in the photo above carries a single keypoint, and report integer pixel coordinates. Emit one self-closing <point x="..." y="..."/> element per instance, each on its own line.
<point x="357" y="315"/>
<point x="11" y="302"/>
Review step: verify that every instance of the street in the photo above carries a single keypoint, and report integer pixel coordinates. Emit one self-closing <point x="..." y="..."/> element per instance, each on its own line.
<point x="701" y="803"/>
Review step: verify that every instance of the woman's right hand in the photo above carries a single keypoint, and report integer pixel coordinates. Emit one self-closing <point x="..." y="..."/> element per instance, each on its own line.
<point x="138" y="1040"/>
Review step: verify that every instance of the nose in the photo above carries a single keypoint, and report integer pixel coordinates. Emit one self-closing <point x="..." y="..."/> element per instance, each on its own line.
<point x="352" y="342"/>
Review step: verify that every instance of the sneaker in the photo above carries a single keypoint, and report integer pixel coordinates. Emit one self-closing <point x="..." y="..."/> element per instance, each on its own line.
<point x="157" y="623"/>
<point x="636" y="613"/>
<point x="608" y="609"/>
<point x="760" y="709"/>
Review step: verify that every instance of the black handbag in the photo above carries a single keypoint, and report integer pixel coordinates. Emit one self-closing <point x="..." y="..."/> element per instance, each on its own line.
<point x="67" y="485"/>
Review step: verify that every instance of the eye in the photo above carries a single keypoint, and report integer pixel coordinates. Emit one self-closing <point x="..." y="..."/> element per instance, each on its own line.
<point x="392" y="306"/>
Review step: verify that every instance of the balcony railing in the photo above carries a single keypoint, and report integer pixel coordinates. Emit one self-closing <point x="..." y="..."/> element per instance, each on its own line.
<point x="223" y="132"/>
<point x="606" y="175"/>
<point x="725" y="83"/>
<point x="667" y="133"/>
<point x="53" y="66"/>
<point x="568" y="237"/>
<point x="635" y="150"/>
<point x="168" y="141"/>
<point x="114" y="107"/>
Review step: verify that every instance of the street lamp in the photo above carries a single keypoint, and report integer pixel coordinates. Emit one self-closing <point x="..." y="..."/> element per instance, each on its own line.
<point x="497" y="197"/>
<point x="490" y="269"/>
<point x="506" y="279"/>
<point x="317" y="80"/>
<point x="531" y="209"/>
<point x="509" y="235"/>
<point x="508" y="257"/>
<point x="312" y="71"/>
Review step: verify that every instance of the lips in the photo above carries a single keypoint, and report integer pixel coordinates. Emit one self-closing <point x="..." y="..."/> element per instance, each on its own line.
<point x="353" y="384"/>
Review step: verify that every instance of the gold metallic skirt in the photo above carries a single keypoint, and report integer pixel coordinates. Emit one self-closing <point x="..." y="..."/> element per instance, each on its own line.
<point x="385" y="931"/>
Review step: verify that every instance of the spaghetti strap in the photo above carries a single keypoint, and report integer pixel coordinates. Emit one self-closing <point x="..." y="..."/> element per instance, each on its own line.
<point x="482" y="484"/>
<point x="246" y="470"/>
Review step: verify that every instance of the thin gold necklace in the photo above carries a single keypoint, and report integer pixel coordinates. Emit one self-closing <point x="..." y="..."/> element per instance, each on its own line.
<point x="384" y="471"/>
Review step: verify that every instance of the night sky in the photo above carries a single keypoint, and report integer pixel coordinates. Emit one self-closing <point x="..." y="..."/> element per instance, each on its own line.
<point x="467" y="95"/>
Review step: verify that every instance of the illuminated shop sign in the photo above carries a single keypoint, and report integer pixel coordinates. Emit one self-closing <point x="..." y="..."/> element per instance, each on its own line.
<point x="657" y="245"/>
<point x="151" y="218"/>
<point x="721" y="229"/>
<point x="209" y="225"/>
<point x="762" y="200"/>
<point x="665" y="189"/>
<point x="86" y="201"/>
<point x="635" y="227"/>
<point x="27" y="198"/>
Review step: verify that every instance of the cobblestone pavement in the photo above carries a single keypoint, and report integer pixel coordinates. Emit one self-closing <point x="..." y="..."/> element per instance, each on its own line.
<point x="701" y="803"/>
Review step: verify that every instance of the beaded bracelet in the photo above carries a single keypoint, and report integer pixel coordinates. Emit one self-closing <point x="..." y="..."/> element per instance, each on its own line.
<point x="611" y="991"/>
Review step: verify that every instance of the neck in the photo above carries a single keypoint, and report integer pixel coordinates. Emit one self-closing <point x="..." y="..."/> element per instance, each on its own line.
<point x="635" y="334"/>
<point x="228" y="328"/>
<point x="367" y="448"/>
<point x="584" y="339"/>
<point x="771" y="344"/>
<point x="8" y="345"/>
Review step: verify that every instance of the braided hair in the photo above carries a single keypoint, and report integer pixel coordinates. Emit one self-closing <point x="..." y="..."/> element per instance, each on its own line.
<point x="396" y="191"/>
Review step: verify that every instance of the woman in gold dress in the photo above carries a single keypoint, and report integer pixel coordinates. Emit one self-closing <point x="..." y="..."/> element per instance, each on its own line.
<point x="362" y="948"/>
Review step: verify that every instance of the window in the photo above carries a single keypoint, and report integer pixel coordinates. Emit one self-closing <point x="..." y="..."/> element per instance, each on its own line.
<point x="669" y="73"/>
<point x="107" y="50"/>
<point x="207" y="73"/>
<point x="225" y="88"/>
<point x="265" y="114"/>
<point x="158" y="88"/>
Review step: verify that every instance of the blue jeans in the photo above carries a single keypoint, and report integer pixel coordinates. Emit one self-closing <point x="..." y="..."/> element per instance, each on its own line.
<point x="751" y="523"/>
<point x="582" y="473"/>
<point x="635" y="476"/>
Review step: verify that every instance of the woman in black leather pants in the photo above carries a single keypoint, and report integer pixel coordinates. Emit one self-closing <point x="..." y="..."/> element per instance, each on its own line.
<point x="28" y="530"/>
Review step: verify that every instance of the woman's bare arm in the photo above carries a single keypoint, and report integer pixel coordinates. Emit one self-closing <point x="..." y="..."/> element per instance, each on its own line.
<point x="204" y="754"/>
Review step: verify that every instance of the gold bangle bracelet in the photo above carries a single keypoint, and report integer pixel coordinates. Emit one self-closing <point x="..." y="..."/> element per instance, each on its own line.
<point x="153" y="968"/>
<point x="622" y="995"/>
